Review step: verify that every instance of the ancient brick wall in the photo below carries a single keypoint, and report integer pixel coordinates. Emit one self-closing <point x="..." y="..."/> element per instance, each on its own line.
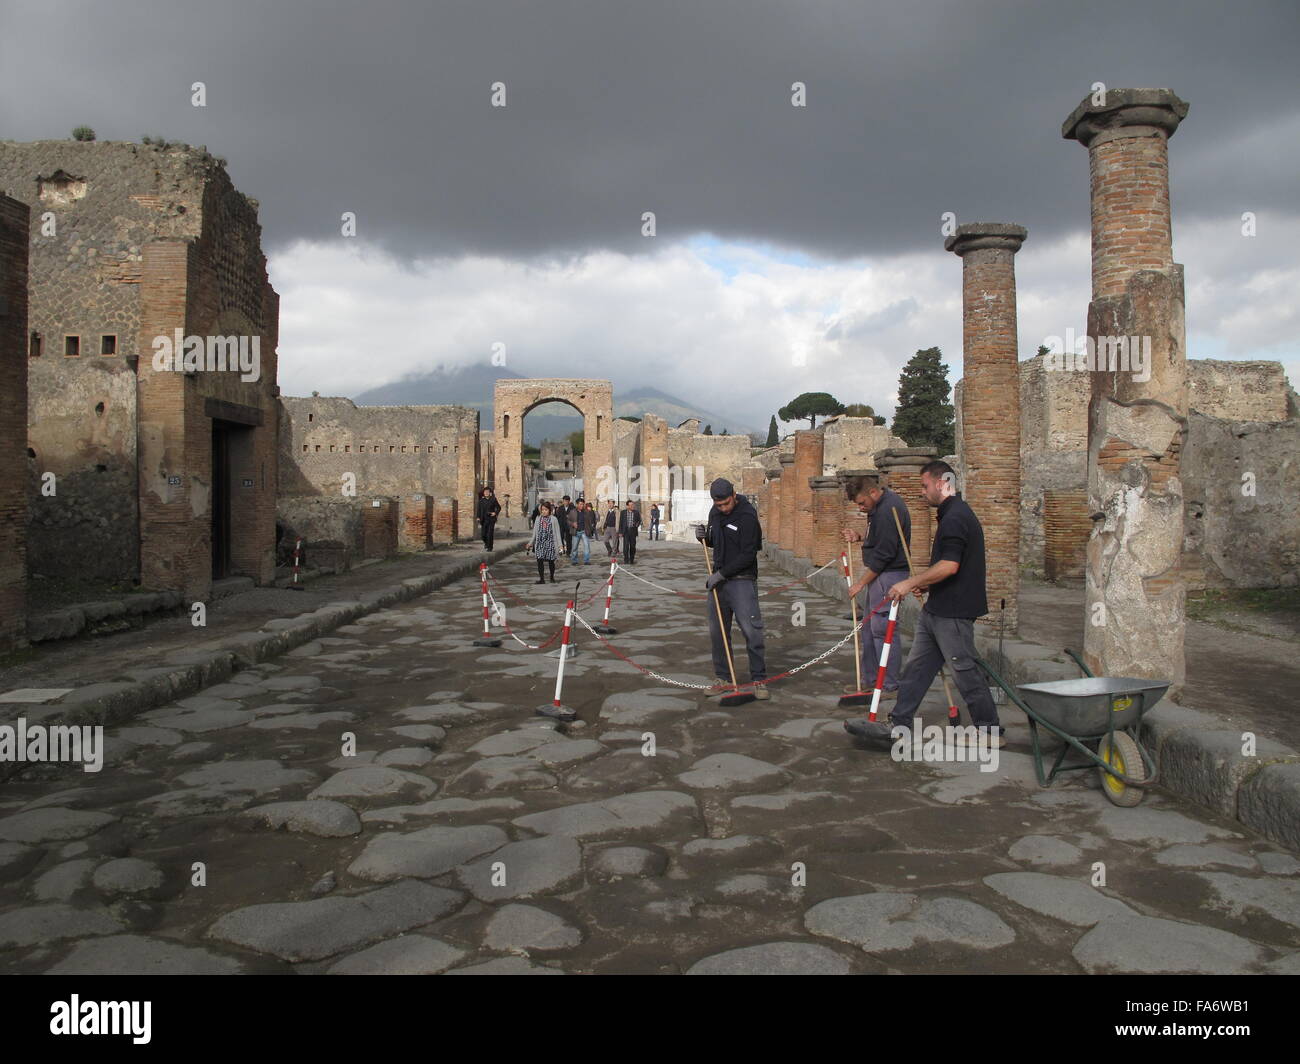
<point x="708" y="457"/>
<point x="1237" y="391"/>
<point x="379" y="524"/>
<point x="1066" y="525"/>
<point x="13" y="421"/>
<point x="852" y="441"/>
<point x="808" y="451"/>
<point x="133" y="455"/>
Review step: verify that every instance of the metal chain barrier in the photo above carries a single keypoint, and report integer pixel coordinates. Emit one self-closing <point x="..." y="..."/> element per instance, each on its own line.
<point x="510" y="631"/>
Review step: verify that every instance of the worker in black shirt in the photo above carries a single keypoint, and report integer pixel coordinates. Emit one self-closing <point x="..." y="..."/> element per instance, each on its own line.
<point x="733" y="530"/>
<point x="884" y="564"/>
<point x="945" y="627"/>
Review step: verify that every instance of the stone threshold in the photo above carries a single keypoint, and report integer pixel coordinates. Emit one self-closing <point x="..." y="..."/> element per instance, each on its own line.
<point x="1198" y="759"/>
<point x="188" y="672"/>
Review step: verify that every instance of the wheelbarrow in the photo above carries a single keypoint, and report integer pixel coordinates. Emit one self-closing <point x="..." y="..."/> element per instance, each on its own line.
<point x="1103" y="710"/>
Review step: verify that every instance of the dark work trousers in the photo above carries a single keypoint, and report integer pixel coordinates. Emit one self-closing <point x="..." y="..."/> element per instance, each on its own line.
<point x="566" y="534"/>
<point x="629" y="547"/>
<point x="940" y="639"/>
<point x="654" y="528"/>
<point x="872" y="637"/>
<point x="489" y="530"/>
<point x="739" y="599"/>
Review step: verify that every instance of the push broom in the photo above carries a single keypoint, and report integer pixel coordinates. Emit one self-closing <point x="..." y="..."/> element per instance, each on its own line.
<point x="737" y="696"/>
<point x="953" y="717"/>
<point x="856" y="697"/>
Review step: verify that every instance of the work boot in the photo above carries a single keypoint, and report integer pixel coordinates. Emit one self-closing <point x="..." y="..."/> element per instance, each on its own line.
<point x="874" y="730"/>
<point x="760" y="691"/>
<point x="996" y="741"/>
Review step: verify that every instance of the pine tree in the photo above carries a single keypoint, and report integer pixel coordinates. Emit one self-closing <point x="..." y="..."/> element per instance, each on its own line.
<point x="924" y="416"/>
<point x="772" y="436"/>
<point x="708" y="430"/>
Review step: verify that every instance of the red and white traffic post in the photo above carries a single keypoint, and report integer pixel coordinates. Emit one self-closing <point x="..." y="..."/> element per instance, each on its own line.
<point x="884" y="657"/>
<point x="556" y="709"/>
<point x="604" y="627"/>
<point x="486" y="639"/>
<point x="297" y="560"/>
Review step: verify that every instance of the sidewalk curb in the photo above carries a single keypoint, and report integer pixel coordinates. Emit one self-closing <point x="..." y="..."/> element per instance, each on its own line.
<point x="1199" y="760"/>
<point x="187" y="672"/>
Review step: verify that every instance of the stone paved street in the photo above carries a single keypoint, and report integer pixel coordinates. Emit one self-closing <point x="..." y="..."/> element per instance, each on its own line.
<point x="469" y="835"/>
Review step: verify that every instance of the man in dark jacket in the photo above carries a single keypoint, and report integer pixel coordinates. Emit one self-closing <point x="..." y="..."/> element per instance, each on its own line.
<point x="654" y="521"/>
<point x="488" y="508"/>
<point x="629" y="521"/>
<point x="945" y="628"/>
<point x="584" y="530"/>
<point x="732" y="529"/>
<point x="884" y="563"/>
<point x="563" y="514"/>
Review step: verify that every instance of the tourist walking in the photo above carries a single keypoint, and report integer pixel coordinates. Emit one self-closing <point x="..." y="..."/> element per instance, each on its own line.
<point x="629" y="521"/>
<point x="584" y="530"/>
<point x="654" y="521"/>
<point x="545" y="544"/>
<point x="488" y="508"/>
<point x="563" y="512"/>
<point x="611" y="528"/>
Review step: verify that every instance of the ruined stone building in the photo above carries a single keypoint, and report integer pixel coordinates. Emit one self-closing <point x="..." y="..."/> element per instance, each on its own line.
<point x="1242" y="419"/>
<point x="144" y="469"/>
<point x="13" y="421"/>
<point x="369" y="480"/>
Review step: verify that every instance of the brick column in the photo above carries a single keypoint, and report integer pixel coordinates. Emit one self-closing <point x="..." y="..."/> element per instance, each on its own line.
<point x="901" y="468"/>
<point x="788" y="493"/>
<point x="1137" y="415"/>
<point x="415" y="522"/>
<point x="14" y="241"/>
<point x="771" y="518"/>
<point x="809" y="448"/>
<point x="990" y="403"/>
<point x="827" y="519"/>
<point x="469" y="487"/>
<point x="1067" y="523"/>
<point x="444" y="520"/>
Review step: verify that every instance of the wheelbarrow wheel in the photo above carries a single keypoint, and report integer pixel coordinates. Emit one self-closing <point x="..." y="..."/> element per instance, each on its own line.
<point x="1123" y="757"/>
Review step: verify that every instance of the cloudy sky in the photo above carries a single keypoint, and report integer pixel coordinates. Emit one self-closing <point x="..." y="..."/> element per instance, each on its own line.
<point x="796" y="248"/>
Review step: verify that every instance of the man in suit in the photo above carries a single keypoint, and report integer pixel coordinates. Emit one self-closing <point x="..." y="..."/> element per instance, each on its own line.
<point x="629" y="521"/>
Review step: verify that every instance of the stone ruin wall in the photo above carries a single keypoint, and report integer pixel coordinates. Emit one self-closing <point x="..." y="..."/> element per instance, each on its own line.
<point x="408" y="453"/>
<point x="1242" y="423"/>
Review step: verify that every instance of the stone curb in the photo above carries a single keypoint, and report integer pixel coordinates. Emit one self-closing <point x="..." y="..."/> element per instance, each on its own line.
<point x="187" y="672"/>
<point x="1198" y="759"/>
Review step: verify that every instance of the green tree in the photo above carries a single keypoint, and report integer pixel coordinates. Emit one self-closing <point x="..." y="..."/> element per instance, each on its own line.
<point x="708" y="430"/>
<point x="83" y="133"/>
<point x="576" y="438"/>
<point x="809" y="405"/>
<point x="724" y="432"/>
<point x="924" y="416"/>
<point x="773" y="437"/>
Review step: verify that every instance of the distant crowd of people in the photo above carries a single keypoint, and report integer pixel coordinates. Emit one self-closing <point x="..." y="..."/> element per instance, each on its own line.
<point x="570" y="527"/>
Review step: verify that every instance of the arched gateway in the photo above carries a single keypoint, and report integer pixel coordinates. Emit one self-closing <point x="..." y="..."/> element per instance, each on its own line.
<point x="513" y="399"/>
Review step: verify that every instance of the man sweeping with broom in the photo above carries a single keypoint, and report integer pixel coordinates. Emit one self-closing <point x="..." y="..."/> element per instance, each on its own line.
<point x="732" y="529"/>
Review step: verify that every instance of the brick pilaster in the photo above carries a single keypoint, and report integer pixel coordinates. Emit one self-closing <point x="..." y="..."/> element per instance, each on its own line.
<point x="809" y="449"/>
<point x="14" y="220"/>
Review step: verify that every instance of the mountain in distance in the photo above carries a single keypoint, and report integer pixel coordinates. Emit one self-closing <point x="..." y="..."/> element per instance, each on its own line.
<point x="472" y="386"/>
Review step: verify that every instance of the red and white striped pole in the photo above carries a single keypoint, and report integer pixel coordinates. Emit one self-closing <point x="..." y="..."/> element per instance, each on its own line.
<point x="485" y="640"/>
<point x="297" y="559"/>
<point x="884" y="658"/>
<point x="604" y="627"/>
<point x="564" y="651"/>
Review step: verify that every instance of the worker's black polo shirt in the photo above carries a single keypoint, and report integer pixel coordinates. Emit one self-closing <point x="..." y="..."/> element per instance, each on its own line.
<point x="959" y="538"/>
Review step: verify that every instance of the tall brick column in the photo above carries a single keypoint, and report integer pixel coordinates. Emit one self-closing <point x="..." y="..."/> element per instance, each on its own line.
<point x="1137" y="415"/>
<point x="809" y="449"/>
<point x="14" y="241"/>
<point x="901" y="468"/>
<point x="788" y="493"/>
<point x="771" y="519"/>
<point x="827" y="519"/>
<point x="990" y="403"/>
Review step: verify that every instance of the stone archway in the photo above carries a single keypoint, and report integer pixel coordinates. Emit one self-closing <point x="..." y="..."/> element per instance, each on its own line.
<point x="512" y="399"/>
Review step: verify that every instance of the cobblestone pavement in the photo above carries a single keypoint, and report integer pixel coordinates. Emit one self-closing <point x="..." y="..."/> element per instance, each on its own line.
<point x="469" y="835"/>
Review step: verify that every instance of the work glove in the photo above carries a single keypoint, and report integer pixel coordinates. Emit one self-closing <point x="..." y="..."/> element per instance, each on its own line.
<point x="713" y="581"/>
<point x="700" y="533"/>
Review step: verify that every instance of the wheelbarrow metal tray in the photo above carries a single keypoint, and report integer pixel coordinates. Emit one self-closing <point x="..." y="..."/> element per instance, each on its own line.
<point x="1085" y="707"/>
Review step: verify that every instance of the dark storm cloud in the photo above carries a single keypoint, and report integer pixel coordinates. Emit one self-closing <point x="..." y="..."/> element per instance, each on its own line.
<point x="677" y="106"/>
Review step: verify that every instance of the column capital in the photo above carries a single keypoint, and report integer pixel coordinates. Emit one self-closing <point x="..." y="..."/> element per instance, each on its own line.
<point x="1125" y="113"/>
<point x="786" y="459"/>
<point x="976" y="236"/>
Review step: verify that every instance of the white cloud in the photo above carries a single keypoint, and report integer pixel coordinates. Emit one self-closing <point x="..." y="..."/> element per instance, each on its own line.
<point x="720" y="325"/>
